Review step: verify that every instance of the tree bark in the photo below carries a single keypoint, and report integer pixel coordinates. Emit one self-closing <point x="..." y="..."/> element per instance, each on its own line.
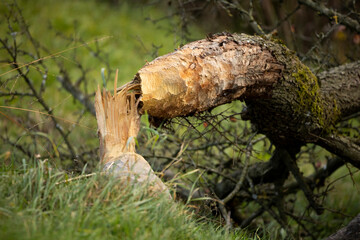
<point x="284" y="99"/>
<point x="342" y="84"/>
<point x="207" y="73"/>
<point x="349" y="232"/>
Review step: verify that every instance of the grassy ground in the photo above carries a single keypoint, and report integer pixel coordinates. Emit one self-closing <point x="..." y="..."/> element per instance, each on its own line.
<point x="36" y="203"/>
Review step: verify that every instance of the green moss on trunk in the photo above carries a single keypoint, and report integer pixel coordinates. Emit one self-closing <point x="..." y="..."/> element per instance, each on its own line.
<point x="308" y="95"/>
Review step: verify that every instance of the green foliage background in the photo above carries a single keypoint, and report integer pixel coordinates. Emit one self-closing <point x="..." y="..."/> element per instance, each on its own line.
<point x="94" y="34"/>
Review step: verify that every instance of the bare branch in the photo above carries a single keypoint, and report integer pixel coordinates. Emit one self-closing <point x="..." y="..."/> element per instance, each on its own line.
<point x="38" y="97"/>
<point x="75" y="92"/>
<point x="294" y="169"/>
<point x="343" y="147"/>
<point x="330" y="13"/>
<point x="10" y="94"/>
<point x="241" y="180"/>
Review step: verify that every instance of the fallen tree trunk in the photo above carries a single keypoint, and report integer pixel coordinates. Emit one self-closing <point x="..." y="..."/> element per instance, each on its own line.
<point x="284" y="99"/>
<point x="207" y="73"/>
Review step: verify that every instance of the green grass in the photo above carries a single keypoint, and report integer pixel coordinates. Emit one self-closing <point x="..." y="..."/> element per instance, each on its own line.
<point x="35" y="203"/>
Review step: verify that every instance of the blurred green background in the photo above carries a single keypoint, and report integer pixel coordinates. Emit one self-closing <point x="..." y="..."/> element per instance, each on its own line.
<point x="85" y="38"/>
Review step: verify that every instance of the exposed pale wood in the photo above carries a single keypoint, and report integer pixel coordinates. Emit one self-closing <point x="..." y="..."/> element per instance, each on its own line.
<point x="284" y="99"/>
<point x="118" y="125"/>
<point x="207" y="73"/>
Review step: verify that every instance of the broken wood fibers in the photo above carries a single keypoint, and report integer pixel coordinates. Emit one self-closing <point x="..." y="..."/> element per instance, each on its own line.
<point x="207" y="73"/>
<point x="283" y="97"/>
<point x="118" y="125"/>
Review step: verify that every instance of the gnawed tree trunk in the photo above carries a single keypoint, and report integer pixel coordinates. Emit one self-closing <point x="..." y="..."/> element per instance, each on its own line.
<point x="284" y="99"/>
<point x="118" y="125"/>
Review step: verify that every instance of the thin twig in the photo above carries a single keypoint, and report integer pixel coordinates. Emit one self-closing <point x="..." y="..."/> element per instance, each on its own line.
<point x="76" y="178"/>
<point x="330" y="13"/>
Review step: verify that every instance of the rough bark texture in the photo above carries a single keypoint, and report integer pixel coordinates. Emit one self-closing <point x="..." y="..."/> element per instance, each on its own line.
<point x="349" y="232"/>
<point x="285" y="100"/>
<point x="342" y="86"/>
<point x="208" y="73"/>
<point x="342" y="146"/>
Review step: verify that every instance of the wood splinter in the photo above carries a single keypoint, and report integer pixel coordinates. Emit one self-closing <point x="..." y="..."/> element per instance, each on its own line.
<point x="118" y="125"/>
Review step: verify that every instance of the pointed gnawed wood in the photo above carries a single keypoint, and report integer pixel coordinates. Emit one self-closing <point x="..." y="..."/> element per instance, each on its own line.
<point x="118" y="125"/>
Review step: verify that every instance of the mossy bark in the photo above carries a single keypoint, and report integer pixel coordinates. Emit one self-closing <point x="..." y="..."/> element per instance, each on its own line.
<point x="285" y="100"/>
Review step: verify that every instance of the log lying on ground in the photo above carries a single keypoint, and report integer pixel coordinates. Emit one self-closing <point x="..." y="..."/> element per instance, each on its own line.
<point x="118" y="125"/>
